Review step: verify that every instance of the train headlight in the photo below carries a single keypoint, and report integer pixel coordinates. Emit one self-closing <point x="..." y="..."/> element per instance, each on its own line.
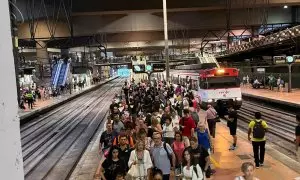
<point x="238" y="99"/>
<point x="210" y="101"/>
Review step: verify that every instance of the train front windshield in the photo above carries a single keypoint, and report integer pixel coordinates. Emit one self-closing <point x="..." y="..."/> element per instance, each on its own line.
<point x="221" y="83"/>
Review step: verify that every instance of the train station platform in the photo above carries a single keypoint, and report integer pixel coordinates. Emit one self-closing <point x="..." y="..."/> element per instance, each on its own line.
<point x="226" y="163"/>
<point x="277" y="166"/>
<point x="281" y="98"/>
<point x="43" y="106"/>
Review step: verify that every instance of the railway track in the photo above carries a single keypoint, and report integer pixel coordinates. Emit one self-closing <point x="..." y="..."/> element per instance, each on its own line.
<point x="53" y="144"/>
<point x="281" y="124"/>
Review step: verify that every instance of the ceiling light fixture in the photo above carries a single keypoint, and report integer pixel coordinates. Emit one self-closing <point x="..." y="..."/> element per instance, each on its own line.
<point x="285" y="6"/>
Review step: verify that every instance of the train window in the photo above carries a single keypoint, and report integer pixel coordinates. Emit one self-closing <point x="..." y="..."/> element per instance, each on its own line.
<point x="194" y="85"/>
<point x="224" y="82"/>
<point x="204" y="85"/>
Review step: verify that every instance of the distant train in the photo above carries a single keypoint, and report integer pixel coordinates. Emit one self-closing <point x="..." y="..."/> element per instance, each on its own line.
<point x="211" y="83"/>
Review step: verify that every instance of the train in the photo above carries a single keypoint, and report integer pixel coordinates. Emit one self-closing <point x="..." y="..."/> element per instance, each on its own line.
<point x="211" y="83"/>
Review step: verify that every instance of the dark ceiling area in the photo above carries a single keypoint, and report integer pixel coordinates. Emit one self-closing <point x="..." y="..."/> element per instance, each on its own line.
<point x="122" y="5"/>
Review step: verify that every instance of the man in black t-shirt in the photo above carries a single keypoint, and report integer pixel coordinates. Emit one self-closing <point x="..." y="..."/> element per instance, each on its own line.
<point x="297" y="133"/>
<point x="232" y="124"/>
<point x="125" y="150"/>
<point x="126" y="90"/>
<point x="199" y="154"/>
<point x="107" y="137"/>
<point x="113" y="104"/>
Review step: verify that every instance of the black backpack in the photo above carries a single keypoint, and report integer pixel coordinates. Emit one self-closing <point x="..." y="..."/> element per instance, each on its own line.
<point x="168" y="154"/>
<point x="195" y="117"/>
<point x="258" y="130"/>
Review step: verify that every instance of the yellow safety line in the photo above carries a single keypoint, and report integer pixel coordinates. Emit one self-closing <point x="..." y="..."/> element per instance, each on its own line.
<point x="216" y="164"/>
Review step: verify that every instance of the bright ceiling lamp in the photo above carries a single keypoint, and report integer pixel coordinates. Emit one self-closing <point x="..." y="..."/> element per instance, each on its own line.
<point x="285" y="6"/>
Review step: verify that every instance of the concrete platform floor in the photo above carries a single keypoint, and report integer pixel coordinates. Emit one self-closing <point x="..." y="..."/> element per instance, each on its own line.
<point x="293" y="97"/>
<point x="228" y="163"/>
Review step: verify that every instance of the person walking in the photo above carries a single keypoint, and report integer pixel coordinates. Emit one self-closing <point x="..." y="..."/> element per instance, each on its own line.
<point x="258" y="128"/>
<point x="247" y="169"/>
<point x="187" y="125"/>
<point x="163" y="156"/>
<point x="30" y="99"/>
<point x="211" y="115"/>
<point x="139" y="162"/>
<point x="232" y="124"/>
<point x="112" y="165"/>
<point x="106" y="139"/>
<point x="190" y="170"/>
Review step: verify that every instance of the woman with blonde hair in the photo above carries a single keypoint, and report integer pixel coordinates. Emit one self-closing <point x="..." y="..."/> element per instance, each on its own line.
<point x="155" y="125"/>
<point x="248" y="170"/>
<point x="140" y="163"/>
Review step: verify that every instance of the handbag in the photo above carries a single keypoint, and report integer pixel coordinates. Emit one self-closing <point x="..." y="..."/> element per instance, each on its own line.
<point x="133" y="173"/>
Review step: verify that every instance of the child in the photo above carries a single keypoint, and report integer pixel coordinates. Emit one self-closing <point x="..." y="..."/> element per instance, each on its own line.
<point x="204" y="138"/>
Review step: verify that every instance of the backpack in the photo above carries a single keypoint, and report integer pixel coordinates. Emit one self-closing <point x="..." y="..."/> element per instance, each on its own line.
<point x="168" y="154"/>
<point x="195" y="117"/>
<point x="258" y="130"/>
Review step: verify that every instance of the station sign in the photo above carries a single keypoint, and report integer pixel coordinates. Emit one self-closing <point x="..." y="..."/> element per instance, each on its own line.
<point x="279" y="59"/>
<point x="148" y="68"/>
<point x="158" y="67"/>
<point x="138" y="68"/>
<point x="290" y="59"/>
<point x="261" y="70"/>
<point x="296" y="58"/>
<point x="123" y="72"/>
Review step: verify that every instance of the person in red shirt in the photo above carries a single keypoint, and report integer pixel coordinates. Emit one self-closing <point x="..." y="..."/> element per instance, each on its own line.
<point x="187" y="125"/>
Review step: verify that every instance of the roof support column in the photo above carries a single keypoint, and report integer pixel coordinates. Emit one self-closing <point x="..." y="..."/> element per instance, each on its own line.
<point x="11" y="164"/>
<point x="295" y="15"/>
<point x="166" y="39"/>
<point x="43" y="67"/>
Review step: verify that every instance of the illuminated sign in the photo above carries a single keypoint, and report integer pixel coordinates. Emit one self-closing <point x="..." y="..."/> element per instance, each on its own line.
<point x="139" y="68"/>
<point x="159" y="67"/>
<point x="296" y="58"/>
<point x="123" y="72"/>
<point x="289" y="59"/>
<point x="279" y="59"/>
<point x="149" y="68"/>
<point x="261" y="70"/>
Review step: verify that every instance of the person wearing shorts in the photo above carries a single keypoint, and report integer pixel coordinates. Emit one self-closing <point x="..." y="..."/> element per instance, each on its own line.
<point x="232" y="125"/>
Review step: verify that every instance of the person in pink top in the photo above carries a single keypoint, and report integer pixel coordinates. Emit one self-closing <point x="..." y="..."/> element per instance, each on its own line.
<point x="187" y="125"/>
<point x="178" y="148"/>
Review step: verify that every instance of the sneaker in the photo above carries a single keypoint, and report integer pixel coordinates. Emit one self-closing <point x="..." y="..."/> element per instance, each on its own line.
<point x="261" y="164"/>
<point x="257" y="167"/>
<point x="232" y="148"/>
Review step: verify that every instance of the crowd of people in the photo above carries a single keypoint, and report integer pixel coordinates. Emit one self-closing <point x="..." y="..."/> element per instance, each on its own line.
<point x="154" y="131"/>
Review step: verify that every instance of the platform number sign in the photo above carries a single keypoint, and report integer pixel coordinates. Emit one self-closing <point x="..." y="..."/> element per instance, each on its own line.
<point x="279" y="59"/>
